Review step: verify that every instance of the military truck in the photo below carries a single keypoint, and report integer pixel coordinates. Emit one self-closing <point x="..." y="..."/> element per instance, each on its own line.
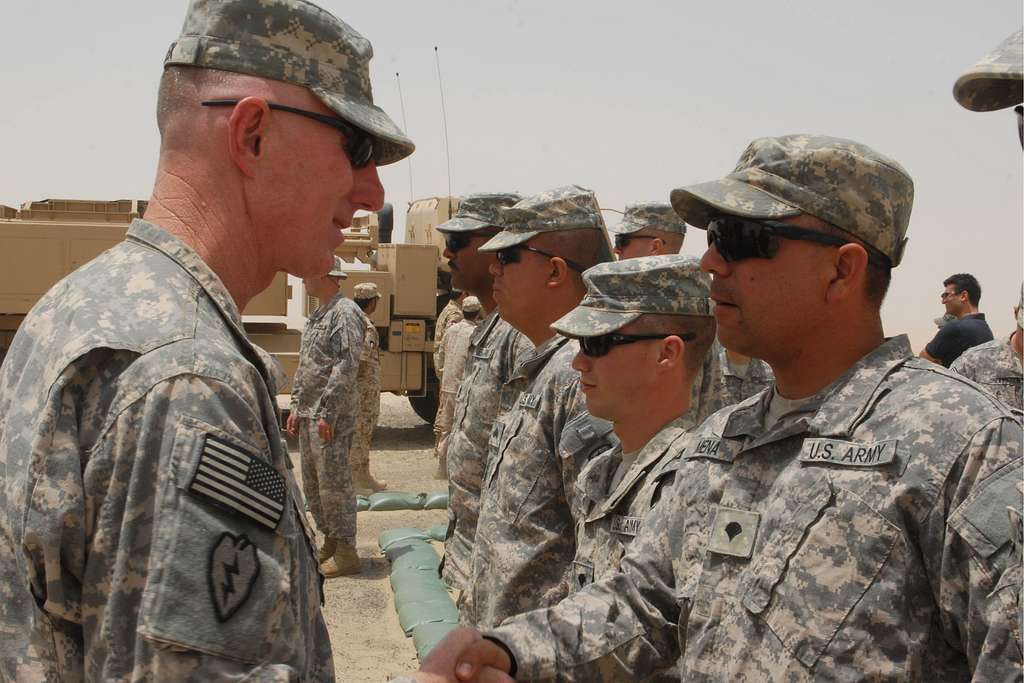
<point x="45" y="240"/>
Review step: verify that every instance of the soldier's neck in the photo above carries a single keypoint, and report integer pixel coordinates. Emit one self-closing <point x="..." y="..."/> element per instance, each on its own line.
<point x="647" y="420"/>
<point x="1017" y="341"/>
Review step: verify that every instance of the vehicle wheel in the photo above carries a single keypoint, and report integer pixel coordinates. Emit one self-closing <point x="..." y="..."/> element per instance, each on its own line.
<point x="425" y="406"/>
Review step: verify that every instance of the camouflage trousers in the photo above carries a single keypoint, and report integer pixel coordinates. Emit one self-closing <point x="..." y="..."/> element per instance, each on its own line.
<point x="327" y="481"/>
<point x="443" y="423"/>
<point x="369" y="411"/>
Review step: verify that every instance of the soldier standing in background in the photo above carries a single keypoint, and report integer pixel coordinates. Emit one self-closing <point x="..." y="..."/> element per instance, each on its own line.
<point x="450" y="363"/>
<point x="524" y="542"/>
<point x="996" y="365"/>
<point x="368" y="386"/>
<point x="649" y="229"/>
<point x="150" y="525"/>
<point x="450" y="314"/>
<point x="323" y="415"/>
<point x="493" y="350"/>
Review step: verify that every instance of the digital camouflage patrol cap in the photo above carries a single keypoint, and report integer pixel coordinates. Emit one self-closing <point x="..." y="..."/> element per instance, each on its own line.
<point x="478" y="211"/>
<point x="650" y="216"/>
<point x="470" y="304"/>
<point x="338" y="269"/>
<point x="841" y="182"/>
<point x="364" y="291"/>
<point x="997" y="81"/>
<point x="296" y="42"/>
<point x="564" y="208"/>
<point x="619" y="292"/>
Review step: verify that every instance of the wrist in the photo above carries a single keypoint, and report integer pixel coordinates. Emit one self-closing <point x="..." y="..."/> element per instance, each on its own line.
<point x="513" y="667"/>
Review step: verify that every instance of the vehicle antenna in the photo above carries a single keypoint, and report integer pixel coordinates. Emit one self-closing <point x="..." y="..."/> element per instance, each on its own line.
<point x="444" y="122"/>
<point x="405" y="126"/>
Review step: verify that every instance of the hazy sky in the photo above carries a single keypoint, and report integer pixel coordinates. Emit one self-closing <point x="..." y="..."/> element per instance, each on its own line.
<point x="630" y="101"/>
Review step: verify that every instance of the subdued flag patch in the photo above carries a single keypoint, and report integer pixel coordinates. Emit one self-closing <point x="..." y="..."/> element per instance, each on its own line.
<point x="231" y="477"/>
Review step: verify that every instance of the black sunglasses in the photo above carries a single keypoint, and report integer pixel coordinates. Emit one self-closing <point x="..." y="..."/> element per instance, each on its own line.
<point x="738" y="238"/>
<point x="358" y="144"/>
<point x="595" y="347"/>
<point x="511" y="255"/>
<point x="621" y="239"/>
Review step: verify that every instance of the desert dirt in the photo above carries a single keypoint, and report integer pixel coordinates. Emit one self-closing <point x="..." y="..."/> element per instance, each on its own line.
<point x="368" y="643"/>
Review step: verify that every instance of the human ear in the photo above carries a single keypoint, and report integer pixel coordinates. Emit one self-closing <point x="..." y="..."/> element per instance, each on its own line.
<point x="247" y="127"/>
<point x="850" y="269"/>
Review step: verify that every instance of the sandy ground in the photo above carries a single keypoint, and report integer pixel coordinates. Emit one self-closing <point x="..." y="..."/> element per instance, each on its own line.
<point x="368" y="642"/>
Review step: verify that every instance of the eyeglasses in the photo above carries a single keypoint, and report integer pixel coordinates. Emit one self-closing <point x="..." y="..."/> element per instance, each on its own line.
<point x="511" y="255"/>
<point x="598" y="346"/>
<point x="946" y="295"/>
<point x="358" y="144"/>
<point x="738" y="238"/>
<point x="454" y="241"/>
<point x="621" y="240"/>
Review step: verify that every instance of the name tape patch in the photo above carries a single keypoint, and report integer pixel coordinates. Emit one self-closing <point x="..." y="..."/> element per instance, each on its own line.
<point x="847" y="453"/>
<point x="232" y="477"/>
<point x="530" y="401"/>
<point x="484" y="353"/>
<point x="713" y="448"/>
<point x="628" y="526"/>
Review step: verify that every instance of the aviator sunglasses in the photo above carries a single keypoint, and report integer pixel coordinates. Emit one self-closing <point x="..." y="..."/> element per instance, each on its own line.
<point x="358" y="144"/>
<point x="623" y="239"/>
<point x="598" y="346"/>
<point x="511" y="255"/>
<point x="738" y="238"/>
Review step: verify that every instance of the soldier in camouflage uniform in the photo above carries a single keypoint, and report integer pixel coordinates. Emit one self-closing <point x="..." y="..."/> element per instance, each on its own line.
<point x="151" y="526"/>
<point x="996" y="365"/>
<point x="368" y="399"/>
<point x="493" y="349"/>
<point x="324" y="408"/>
<point x="849" y="525"/>
<point x="524" y="542"/>
<point x="649" y="229"/>
<point x="450" y="363"/>
<point x="449" y="315"/>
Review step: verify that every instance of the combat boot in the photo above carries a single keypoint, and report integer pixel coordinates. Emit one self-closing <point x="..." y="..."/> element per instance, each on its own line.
<point x="344" y="562"/>
<point x="327" y="549"/>
<point x="364" y="483"/>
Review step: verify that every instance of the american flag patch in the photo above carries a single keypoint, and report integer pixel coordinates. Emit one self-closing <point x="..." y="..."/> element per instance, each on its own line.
<point x="233" y="478"/>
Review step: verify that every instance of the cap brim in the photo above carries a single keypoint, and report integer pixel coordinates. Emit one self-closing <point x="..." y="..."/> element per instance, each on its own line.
<point x="462" y="224"/>
<point x="625" y="228"/>
<point x="507" y="238"/>
<point x="338" y="273"/>
<point x="697" y="204"/>
<point x="390" y="143"/>
<point x="584" y="321"/>
<point x="986" y="91"/>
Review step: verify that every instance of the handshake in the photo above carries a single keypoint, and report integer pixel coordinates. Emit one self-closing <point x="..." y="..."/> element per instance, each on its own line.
<point x="464" y="656"/>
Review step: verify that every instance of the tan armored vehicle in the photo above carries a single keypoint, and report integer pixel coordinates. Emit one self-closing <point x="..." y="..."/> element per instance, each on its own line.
<point x="43" y="241"/>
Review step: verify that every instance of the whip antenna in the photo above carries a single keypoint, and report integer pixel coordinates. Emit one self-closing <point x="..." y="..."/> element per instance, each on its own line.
<point x="444" y="123"/>
<point x="405" y="126"/>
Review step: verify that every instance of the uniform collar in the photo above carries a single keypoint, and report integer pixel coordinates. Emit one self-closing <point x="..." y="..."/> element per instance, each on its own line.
<point x="532" y="361"/>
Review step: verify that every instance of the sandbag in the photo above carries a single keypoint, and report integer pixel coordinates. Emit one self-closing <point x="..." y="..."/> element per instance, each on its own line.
<point x="402" y="534"/>
<point x="436" y="501"/>
<point x="438" y="532"/>
<point x="362" y="503"/>
<point x="426" y="636"/>
<point x="396" y="500"/>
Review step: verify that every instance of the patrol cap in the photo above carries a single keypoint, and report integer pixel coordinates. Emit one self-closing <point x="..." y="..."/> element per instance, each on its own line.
<point x="478" y="211"/>
<point x="997" y="80"/>
<point x="296" y="42"/>
<point x="650" y="216"/>
<point x="364" y="291"/>
<point x="470" y="304"/>
<point x="841" y="182"/>
<point x="619" y="292"/>
<point x="564" y="208"/>
<point x="337" y="271"/>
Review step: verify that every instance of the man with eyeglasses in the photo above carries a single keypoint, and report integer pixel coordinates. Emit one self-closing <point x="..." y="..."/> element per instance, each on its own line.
<point x="850" y="524"/>
<point x="542" y="435"/>
<point x="152" y="528"/>
<point x="968" y="328"/>
<point x="493" y="350"/>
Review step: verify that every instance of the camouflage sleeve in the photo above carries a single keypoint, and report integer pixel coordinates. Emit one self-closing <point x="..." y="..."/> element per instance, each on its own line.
<point x="339" y="399"/>
<point x="622" y="627"/>
<point x="977" y="580"/>
<point x="439" y="355"/>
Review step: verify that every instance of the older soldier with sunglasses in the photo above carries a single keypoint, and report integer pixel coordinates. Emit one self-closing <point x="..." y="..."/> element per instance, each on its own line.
<point x="542" y="435"/>
<point x="849" y="525"/>
<point x="151" y="528"/>
<point x="493" y="350"/>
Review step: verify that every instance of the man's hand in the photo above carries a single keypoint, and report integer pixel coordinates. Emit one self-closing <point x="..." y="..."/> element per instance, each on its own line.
<point x="292" y="426"/>
<point x="325" y="431"/>
<point x="478" y="660"/>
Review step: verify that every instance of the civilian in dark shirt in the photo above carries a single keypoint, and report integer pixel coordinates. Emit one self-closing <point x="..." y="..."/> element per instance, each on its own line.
<point x="961" y="296"/>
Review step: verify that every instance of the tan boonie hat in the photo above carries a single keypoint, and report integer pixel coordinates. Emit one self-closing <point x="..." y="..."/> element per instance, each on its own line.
<point x="296" y="42"/>
<point x="619" y="292"/>
<point x="841" y="182"/>
<point x="470" y="304"/>
<point x="478" y="211"/>
<point x="650" y="216"/>
<point x="365" y="290"/>
<point x="337" y="270"/>
<point x="565" y="208"/>
<point x="997" y="80"/>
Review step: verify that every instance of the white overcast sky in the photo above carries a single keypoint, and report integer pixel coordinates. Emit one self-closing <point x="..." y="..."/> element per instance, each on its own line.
<point x="629" y="99"/>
